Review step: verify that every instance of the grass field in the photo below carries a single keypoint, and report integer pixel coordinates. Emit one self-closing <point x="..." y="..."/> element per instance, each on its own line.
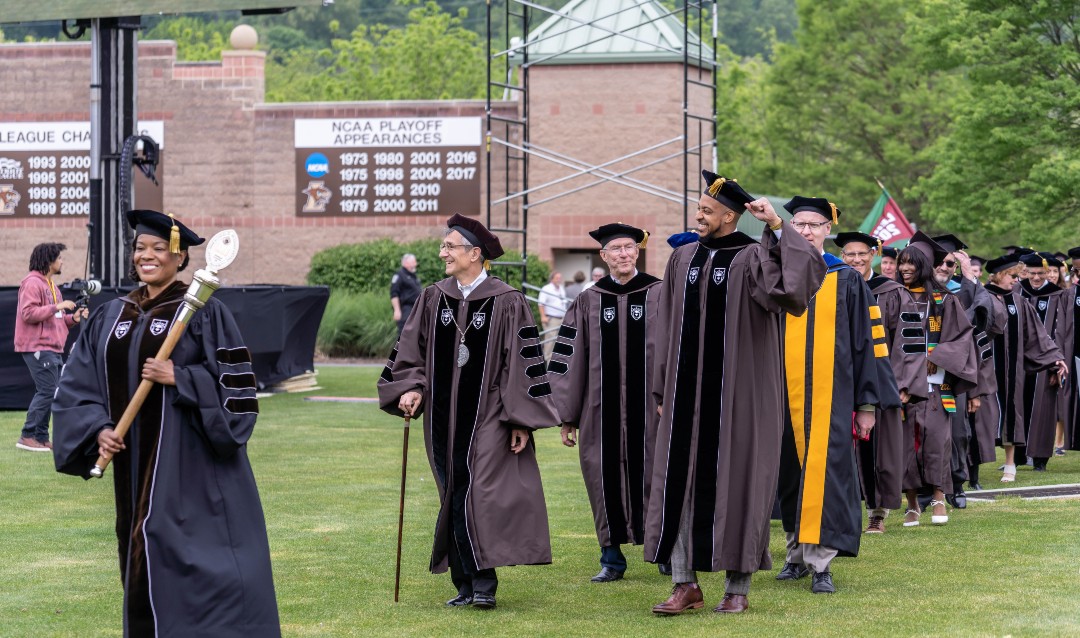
<point x="329" y="475"/>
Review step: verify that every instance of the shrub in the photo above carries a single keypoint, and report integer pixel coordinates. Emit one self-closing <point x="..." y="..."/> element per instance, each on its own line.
<point x="357" y="325"/>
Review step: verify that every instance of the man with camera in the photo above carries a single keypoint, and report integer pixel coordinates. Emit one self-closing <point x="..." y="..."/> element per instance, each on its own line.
<point x="41" y="330"/>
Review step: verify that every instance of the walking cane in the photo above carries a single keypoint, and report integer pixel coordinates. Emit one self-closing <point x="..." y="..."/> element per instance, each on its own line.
<point x="220" y="252"/>
<point x="401" y="507"/>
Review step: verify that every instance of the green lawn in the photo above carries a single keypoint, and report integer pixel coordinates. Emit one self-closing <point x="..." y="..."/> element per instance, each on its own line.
<point x="329" y="473"/>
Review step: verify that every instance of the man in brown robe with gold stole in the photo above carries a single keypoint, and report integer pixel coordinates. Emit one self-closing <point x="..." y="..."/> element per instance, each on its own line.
<point x="469" y="357"/>
<point x="601" y="378"/>
<point x="831" y="363"/>
<point x="1054" y="307"/>
<point x="720" y="384"/>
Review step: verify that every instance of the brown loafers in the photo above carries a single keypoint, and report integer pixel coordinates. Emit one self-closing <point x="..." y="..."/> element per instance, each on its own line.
<point x="732" y="604"/>
<point x="684" y="596"/>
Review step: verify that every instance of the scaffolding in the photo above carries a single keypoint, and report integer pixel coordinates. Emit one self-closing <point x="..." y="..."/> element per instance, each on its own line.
<point x="523" y="43"/>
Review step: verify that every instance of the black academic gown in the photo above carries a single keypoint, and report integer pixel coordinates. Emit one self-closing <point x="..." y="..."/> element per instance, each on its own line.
<point x="831" y="366"/>
<point x="1072" y="414"/>
<point x="194" y="557"/>
<point x="1041" y="402"/>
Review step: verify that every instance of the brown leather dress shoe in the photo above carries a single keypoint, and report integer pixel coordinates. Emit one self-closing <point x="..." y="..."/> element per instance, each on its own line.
<point x="684" y="596"/>
<point x="732" y="604"/>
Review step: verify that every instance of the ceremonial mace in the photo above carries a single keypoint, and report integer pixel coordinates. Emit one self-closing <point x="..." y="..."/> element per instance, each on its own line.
<point x="401" y="507"/>
<point x="220" y="252"/>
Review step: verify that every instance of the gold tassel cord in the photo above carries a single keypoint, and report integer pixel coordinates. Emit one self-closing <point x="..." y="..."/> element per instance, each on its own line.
<point x="715" y="187"/>
<point x="832" y="207"/>
<point x="174" y="236"/>
<point x="644" y="240"/>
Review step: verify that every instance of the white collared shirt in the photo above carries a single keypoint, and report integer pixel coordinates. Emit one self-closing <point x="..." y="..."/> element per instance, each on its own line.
<point x="628" y="280"/>
<point x="465" y="290"/>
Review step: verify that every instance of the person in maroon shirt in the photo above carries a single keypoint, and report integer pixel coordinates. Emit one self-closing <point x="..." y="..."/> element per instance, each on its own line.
<point x="41" y="330"/>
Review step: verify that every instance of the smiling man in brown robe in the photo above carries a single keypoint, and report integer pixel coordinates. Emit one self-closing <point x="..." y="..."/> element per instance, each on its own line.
<point x="1054" y="307"/>
<point x="600" y="373"/>
<point x="720" y="384"/>
<point x="469" y="358"/>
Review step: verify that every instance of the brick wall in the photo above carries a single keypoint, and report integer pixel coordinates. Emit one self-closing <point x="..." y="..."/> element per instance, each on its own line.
<point x="229" y="157"/>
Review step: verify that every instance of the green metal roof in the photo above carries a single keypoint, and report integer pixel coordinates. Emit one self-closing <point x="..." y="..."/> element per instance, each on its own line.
<point x="606" y="31"/>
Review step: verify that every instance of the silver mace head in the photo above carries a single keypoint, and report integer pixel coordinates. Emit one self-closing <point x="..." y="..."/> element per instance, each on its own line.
<point x="221" y="250"/>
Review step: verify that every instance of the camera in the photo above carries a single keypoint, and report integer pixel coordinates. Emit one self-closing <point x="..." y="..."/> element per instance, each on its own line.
<point x="86" y="287"/>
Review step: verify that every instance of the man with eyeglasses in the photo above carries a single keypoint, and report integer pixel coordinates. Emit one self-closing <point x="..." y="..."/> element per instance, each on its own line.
<point x="600" y="375"/>
<point x="881" y="458"/>
<point x="988" y="319"/>
<point x="836" y="364"/>
<point x="469" y="356"/>
<point x="718" y="381"/>
<point x="1056" y="310"/>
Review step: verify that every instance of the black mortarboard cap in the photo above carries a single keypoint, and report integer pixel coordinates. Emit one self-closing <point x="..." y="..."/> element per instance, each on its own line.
<point x="1001" y="263"/>
<point x="1041" y="260"/>
<point x="843" y="239"/>
<point x="889" y="251"/>
<point x="1074" y="253"/>
<point x="819" y="205"/>
<point x="608" y="232"/>
<point x="152" y="222"/>
<point x="1060" y="256"/>
<point x="726" y="191"/>
<point x="927" y="246"/>
<point x="477" y="235"/>
<point x="950" y="243"/>
<point x="1010" y="249"/>
<point x="1020" y="250"/>
<point x="977" y="259"/>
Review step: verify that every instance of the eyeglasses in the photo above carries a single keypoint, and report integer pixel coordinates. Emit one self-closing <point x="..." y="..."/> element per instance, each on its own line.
<point x="949" y="264"/>
<point x="447" y="246"/>
<point x="858" y="255"/>
<point x="621" y="250"/>
<point x="811" y="225"/>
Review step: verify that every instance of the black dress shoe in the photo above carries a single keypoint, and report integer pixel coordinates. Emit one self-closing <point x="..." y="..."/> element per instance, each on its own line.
<point x="823" y="584"/>
<point x="461" y="600"/>
<point x="960" y="499"/>
<point x="483" y="601"/>
<point x="976" y="486"/>
<point x="665" y="568"/>
<point x="793" y="571"/>
<point x="607" y="575"/>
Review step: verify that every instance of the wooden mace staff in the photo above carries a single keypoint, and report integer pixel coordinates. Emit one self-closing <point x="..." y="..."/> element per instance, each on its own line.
<point x="220" y="252"/>
<point x="401" y="506"/>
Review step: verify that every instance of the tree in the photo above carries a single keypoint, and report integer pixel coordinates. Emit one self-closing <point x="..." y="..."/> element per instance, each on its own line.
<point x="196" y="39"/>
<point x="1011" y="164"/>
<point x="751" y="27"/>
<point x="847" y="102"/>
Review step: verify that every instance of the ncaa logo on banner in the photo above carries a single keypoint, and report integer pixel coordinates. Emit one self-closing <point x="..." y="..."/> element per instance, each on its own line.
<point x="609" y="314"/>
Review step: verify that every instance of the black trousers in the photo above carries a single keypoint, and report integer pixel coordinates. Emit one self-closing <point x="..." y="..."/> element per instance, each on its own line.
<point x="469" y="582"/>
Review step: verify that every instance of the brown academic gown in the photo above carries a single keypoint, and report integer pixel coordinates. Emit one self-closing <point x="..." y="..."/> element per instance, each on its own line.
<point x="600" y="374"/>
<point x="984" y="422"/>
<point x="491" y="500"/>
<point x="720" y="380"/>
<point x="1020" y="351"/>
<point x="1072" y="412"/>
<point x="881" y="459"/>
<point x="1041" y="401"/>
<point x="947" y="343"/>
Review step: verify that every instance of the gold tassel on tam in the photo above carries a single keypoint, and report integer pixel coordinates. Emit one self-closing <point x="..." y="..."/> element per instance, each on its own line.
<point x="832" y="207"/>
<point x="715" y="187"/>
<point x="487" y="264"/>
<point x="174" y="237"/>
<point x="644" y="240"/>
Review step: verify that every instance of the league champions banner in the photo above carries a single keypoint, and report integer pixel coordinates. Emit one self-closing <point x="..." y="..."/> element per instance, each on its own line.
<point x="45" y="169"/>
<point x="363" y="167"/>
